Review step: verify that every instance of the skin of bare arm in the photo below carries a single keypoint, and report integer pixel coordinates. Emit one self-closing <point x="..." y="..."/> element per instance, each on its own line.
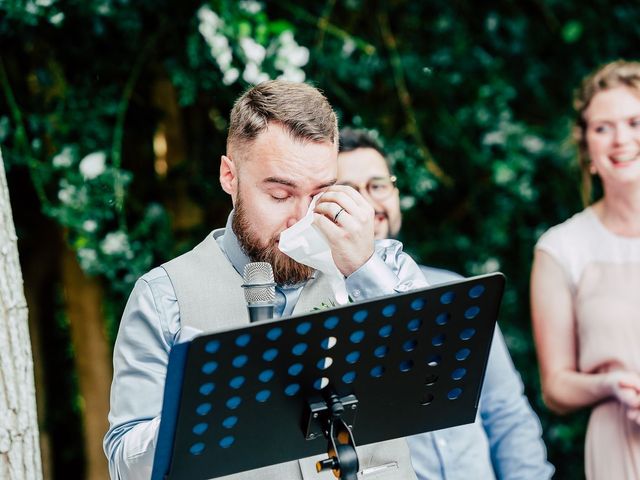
<point x="564" y="387"/>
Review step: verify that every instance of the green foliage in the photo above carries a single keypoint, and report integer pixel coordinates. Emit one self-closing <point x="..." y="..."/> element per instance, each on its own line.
<point x="472" y="103"/>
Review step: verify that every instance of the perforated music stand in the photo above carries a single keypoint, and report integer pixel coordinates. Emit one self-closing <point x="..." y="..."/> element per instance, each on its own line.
<point x="244" y="399"/>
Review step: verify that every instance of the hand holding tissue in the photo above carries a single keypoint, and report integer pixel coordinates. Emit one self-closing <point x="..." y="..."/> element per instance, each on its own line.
<point x="307" y="245"/>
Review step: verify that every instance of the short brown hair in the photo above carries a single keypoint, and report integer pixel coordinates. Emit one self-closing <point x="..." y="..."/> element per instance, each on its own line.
<point x="300" y="108"/>
<point x="620" y="73"/>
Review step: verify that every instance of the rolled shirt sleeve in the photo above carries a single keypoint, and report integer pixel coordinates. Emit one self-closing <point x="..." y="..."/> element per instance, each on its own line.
<point x="513" y="429"/>
<point x="388" y="271"/>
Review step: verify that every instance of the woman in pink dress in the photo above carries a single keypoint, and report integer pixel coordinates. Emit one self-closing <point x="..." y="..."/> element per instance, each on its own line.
<point x="585" y="282"/>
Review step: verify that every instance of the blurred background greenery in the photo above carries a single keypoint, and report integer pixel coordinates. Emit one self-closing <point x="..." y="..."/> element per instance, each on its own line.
<point x="113" y="116"/>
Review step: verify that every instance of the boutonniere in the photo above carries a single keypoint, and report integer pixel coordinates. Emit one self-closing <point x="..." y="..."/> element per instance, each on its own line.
<point x="325" y="305"/>
<point x="329" y="304"/>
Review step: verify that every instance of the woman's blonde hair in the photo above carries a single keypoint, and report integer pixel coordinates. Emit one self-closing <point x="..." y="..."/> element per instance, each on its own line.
<point x="614" y="74"/>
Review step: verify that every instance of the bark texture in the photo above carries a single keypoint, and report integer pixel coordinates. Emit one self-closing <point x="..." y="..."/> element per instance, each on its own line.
<point x="19" y="442"/>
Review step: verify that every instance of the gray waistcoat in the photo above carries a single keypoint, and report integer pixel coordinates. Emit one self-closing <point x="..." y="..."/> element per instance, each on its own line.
<point x="195" y="277"/>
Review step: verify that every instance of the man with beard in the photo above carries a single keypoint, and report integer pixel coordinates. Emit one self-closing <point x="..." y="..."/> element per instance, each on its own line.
<point x="505" y="440"/>
<point x="282" y="151"/>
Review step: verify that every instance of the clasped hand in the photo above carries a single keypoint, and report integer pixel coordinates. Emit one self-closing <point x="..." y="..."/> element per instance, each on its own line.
<point x="346" y="219"/>
<point x="625" y="386"/>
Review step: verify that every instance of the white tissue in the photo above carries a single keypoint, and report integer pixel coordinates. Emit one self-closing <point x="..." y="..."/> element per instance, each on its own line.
<point x="307" y="245"/>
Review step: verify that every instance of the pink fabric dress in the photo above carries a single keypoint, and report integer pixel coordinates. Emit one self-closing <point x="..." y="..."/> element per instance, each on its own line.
<point x="603" y="271"/>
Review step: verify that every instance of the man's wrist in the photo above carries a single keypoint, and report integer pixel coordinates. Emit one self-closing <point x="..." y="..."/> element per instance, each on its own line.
<point x="373" y="279"/>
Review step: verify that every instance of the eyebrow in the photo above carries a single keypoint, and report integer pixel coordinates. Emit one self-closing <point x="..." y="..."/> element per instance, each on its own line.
<point x="613" y="120"/>
<point x="289" y="183"/>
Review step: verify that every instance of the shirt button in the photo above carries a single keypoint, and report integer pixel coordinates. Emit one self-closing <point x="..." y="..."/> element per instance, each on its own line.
<point x="442" y="442"/>
<point x="356" y="293"/>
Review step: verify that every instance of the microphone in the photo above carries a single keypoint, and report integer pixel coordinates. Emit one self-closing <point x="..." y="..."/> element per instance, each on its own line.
<point x="259" y="290"/>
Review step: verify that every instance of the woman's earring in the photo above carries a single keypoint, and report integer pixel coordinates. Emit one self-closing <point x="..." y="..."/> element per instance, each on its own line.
<point x="592" y="169"/>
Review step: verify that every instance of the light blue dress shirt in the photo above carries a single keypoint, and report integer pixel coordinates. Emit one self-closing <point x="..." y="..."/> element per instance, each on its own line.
<point x="505" y="439"/>
<point x="150" y="327"/>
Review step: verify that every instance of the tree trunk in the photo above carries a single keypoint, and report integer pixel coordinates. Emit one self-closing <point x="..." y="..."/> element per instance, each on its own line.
<point x="170" y="151"/>
<point x="83" y="304"/>
<point x="19" y="442"/>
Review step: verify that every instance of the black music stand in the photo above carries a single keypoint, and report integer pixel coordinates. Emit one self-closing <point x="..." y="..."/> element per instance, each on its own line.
<point x="269" y="392"/>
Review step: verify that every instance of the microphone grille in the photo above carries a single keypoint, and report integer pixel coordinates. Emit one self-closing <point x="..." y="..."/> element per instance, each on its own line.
<point x="259" y="286"/>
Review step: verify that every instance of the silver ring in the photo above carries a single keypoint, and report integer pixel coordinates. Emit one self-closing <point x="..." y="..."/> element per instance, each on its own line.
<point x="335" y="217"/>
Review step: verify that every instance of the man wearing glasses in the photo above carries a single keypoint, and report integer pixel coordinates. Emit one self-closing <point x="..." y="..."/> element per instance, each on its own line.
<point x="505" y="440"/>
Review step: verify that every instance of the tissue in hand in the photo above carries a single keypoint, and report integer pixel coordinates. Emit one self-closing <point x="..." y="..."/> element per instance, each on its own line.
<point x="307" y="245"/>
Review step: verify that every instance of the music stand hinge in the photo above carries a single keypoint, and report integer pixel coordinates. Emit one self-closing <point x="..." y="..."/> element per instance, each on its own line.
<point x="318" y="414"/>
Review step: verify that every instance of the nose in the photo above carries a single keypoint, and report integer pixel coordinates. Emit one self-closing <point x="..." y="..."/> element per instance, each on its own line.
<point x="299" y="211"/>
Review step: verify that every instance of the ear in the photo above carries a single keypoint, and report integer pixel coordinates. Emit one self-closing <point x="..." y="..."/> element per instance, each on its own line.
<point x="229" y="177"/>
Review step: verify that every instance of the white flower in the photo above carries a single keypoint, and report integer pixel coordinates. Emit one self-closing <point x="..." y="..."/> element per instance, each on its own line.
<point x="31" y="8"/>
<point x="286" y="38"/>
<point x="44" y="3"/>
<point x="67" y="192"/>
<point x="494" y="138"/>
<point x="57" y="18"/>
<point x="492" y="22"/>
<point x="253" y="50"/>
<point x="87" y="257"/>
<point x="93" y="165"/>
<point x="63" y="159"/>
<point x="525" y="190"/>
<point x="290" y="57"/>
<point x="281" y="63"/>
<point x="299" y="56"/>
<point x="230" y="76"/>
<point x="490" y="265"/>
<point x="290" y="53"/>
<point x="224" y="60"/>
<point x="207" y="31"/>
<point x="425" y="184"/>
<point x="90" y="225"/>
<point x="293" y="75"/>
<point x="250" y="6"/>
<point x="104" y="9"/>
<point x="348" y="47"/>
<point x="503" y="174"/>
<point x="407" y="202"/>
<point x="251" y="73"/>
<point x="219" y="44"/>
<point x="532" y="144"/>
<point x="209" y="17"/>
<point x="115" y="242"/>
<point x="154" y="211"/>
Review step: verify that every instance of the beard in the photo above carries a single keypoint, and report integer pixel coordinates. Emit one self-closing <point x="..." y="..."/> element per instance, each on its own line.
<point x="285" y="269"/>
